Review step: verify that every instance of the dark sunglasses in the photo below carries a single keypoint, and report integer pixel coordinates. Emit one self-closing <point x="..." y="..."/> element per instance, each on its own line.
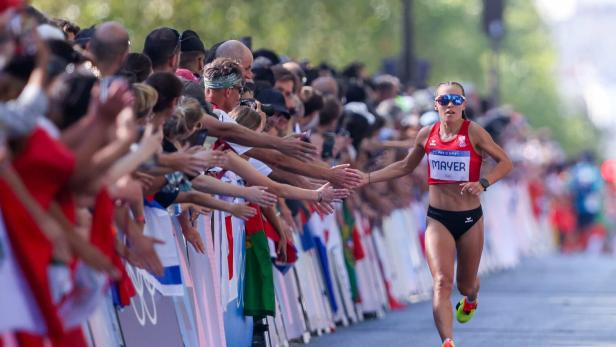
<point x="239" y="88"/>
<point x="444" y="100"/>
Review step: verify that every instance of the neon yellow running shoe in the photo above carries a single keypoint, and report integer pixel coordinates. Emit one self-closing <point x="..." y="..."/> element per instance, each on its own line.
<point x="448" y="343"/>
<point x="465" y="310"/>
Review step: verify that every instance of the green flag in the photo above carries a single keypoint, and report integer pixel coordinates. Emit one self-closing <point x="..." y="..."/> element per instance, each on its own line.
<point x="259" y="300"/>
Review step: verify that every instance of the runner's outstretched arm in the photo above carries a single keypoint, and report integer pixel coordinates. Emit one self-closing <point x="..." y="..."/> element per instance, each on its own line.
<point x="401" y="167"/>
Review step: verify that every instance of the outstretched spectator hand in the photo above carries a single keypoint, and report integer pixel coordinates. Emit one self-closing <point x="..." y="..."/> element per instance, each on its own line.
<point x="91" y="255"/>
<point x="243" y="211"/>
<point x="212" y="158"/>
<point x="127" y="189"/>
<point x="192" y="236"/>
<point x="323" y="207"/>
<point x="286" y="234"/>
<point x="184" y="160"/>
<point x="329" y="194"/>
<point x="141" y="253"/>
<point x="345" y="177"/>
<point x="260" y="196"/>
<point x="146" y="180"/>
<point x="197" y="210"/>
<point x="109" y="100"/>
<point x="293" y="145"/>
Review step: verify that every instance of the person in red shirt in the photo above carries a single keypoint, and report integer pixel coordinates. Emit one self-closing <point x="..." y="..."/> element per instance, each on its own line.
<point x="455" y="224"/>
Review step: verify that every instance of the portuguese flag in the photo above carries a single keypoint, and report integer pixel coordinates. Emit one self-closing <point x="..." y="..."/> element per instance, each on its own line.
<point x="259" y="299"/>
<point x="352" y="249"/>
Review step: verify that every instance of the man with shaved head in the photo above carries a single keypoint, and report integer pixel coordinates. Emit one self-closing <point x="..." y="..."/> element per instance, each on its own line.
<point x="326" y="85"/>
<point x="236" y="50"/>
<point x="109" y="47"/>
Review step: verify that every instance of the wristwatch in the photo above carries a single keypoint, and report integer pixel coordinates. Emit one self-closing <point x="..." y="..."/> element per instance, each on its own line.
<point x="484" y="183"/>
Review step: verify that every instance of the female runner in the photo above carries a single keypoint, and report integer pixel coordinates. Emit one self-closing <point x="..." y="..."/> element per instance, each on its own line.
<point x="454" y="146"/>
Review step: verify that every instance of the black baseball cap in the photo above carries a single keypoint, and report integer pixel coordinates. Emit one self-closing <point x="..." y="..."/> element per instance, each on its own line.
<point x="84" y="36"/>
<point x="191" y="42"/>
<point x="275" y="98"/>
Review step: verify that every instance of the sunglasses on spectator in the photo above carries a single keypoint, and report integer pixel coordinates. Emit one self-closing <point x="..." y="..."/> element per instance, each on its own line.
<point x="239" y="88"/>
<point x="456" y="99"/>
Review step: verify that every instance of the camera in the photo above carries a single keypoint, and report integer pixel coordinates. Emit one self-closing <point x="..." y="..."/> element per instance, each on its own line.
<point x="252" y="103"/>
<point x="268" y="109"/>
<point x="329" y="140"/>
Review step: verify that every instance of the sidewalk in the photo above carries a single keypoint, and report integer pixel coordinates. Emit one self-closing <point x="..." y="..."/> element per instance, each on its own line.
<point x="552" y="301"/>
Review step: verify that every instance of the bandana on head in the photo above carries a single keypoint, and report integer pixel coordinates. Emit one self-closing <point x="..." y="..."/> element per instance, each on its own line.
<point x="223" y="81"/>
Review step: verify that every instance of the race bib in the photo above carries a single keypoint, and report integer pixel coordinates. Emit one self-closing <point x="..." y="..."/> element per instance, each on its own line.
<point x="448" y="165"/>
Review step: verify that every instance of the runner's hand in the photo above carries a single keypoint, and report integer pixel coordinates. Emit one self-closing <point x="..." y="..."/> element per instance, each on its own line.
<point x="473" y="188"/>
<point x="345" y="177"/>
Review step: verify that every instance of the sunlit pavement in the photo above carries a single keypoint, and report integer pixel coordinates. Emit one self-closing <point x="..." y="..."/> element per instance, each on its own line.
<point x="549" y="301"/>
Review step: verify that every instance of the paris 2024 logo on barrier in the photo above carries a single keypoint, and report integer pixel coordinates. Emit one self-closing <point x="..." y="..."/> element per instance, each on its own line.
<point x="143" y="303"/>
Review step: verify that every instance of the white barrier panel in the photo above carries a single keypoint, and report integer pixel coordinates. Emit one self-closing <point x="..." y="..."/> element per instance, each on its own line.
<point x="390" y="270"/>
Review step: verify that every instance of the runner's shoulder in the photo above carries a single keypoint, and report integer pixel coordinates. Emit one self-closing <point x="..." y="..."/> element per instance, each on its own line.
<point x="476" y="131"/>
<point x="422" y="135"/>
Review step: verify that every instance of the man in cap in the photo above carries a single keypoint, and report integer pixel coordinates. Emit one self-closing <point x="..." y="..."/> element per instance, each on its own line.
<point x="192" y="56"/>
<point x="277" y="122"/>
<point x="192" y="61"/>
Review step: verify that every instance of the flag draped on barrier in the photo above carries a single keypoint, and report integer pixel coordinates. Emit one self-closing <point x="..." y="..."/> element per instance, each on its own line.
<point x="259" y="298"/>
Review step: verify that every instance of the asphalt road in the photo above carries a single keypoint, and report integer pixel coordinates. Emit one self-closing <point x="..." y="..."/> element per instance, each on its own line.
<point x="550" y="301"/>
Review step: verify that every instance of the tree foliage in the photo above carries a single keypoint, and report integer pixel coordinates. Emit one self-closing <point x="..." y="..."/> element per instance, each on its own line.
<point x="447" y="34"/>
